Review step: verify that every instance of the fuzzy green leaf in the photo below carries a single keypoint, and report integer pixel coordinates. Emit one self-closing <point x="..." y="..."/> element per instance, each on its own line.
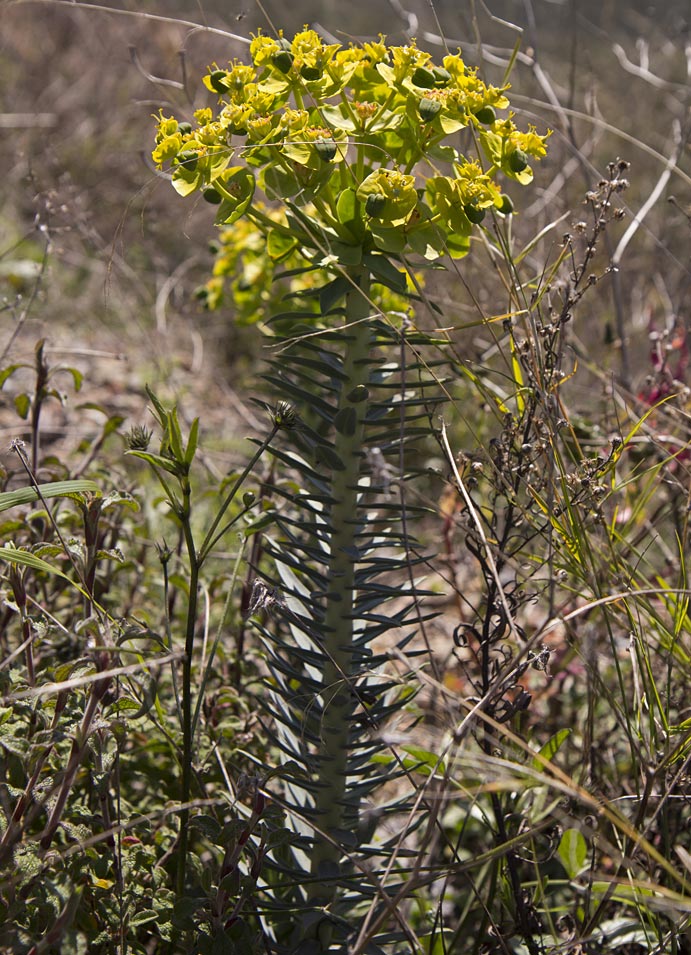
<point x="192" y="442"/>
<point x="22" y="557"/>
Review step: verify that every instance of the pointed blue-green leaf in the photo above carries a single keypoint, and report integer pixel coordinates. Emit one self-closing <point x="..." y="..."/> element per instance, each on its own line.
<point x="385" y="272"/>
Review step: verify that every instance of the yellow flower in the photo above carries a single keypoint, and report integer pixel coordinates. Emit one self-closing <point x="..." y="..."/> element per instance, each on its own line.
<point x="203" y="116"/>
<point x="167" y="149"/>
<point x="262" y="49"/>
<point x="167" y="126"/>
<point x="388" y="195"/>
<point x="376" y="52"/>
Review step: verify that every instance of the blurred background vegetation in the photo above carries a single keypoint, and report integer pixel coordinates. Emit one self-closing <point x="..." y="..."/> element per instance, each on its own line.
<point x="79" y="84"/>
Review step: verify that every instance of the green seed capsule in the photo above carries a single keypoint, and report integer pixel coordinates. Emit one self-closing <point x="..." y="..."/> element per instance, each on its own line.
<point x="506" y="207"/>
<point x="326" y="149"/>
<point x="210" y="194"/>
<point x="310" y="73"/>
<point x="474" y="214"/>
<point x="375" y="204"/>
<point x="217" y="80"/>
<point x="184" y="128"/>
<point x="442" y="77"/>
<point x="424" y="78"/>
<point x="248" y="498"/>
<point x="518" y="161"/>
<point x="486" y="115"/>
<point x="188" y="159"/>
<point x="283" y="61"/>
<point x="358" y="394"/>
<point x="428" y="108"/>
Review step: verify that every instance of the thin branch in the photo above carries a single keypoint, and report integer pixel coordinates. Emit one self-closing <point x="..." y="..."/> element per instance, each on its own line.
<point x="670" y="166"/>
<point x="643" y="73"/>
<point x="140" y="15"/>
<point x="481" y="532"/>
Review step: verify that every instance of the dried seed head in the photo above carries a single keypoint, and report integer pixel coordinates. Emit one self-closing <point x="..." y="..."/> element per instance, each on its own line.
<point x="137" y="438"/>
<point x="285" y="415"/>
<point x="264" y="598"/>
<point x="541" y="660"/>
<point x="164" y="552"/>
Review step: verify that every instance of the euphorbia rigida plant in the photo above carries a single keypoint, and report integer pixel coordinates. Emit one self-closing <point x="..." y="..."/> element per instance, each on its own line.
<point x="343" y="172"/>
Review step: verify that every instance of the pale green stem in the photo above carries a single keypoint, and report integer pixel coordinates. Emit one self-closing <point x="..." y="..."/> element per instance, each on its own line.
<point x="331" y="816"/>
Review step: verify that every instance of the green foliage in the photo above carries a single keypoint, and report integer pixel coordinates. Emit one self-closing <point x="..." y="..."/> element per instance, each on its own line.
<point x="512" y="774"/>
<point x="348" y="136"/>
<point x="348" y="141"/>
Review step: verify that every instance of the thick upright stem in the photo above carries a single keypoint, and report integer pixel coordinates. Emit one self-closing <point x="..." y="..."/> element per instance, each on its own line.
<point x="331" y="815"/>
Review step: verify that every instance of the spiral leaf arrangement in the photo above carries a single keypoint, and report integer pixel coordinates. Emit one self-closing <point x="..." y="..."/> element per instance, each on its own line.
<point x="334" y="175"/>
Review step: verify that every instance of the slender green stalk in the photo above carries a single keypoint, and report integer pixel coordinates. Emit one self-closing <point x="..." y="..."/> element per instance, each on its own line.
<point x="211" y="536"/>
<point x="190" y="627"/>
<point x="196" y="559"/>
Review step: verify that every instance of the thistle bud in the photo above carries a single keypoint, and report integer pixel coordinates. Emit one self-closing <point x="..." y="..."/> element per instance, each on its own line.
<point x="137" y="438"/>
<point x="285" y="415"/>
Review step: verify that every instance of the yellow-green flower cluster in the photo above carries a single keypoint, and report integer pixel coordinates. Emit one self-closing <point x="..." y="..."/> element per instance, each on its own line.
<point x="246" y="256"/>
<point x="361" y="133"/>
